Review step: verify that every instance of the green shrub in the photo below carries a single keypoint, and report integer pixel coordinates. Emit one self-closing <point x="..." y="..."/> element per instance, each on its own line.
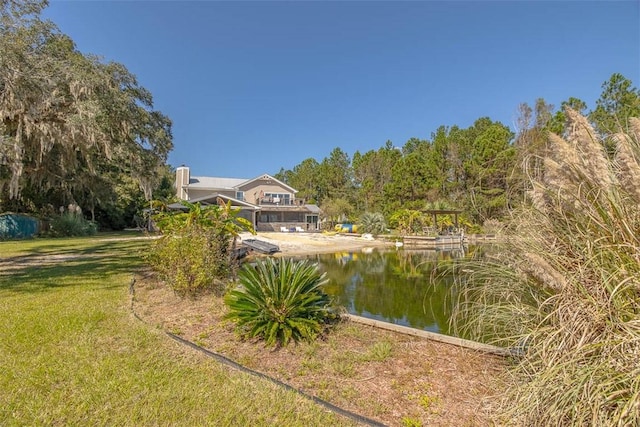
<point x="71" y="225"/>
<point x="279" y="301"/>
<point x="195" y="253"/>
<point x="373" y="222"/>
<point x="191" y="262"/>
<point x="408" y="221"/>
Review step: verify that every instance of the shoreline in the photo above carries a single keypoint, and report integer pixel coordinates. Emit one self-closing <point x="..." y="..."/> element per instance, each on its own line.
<point x="314" y="243"/>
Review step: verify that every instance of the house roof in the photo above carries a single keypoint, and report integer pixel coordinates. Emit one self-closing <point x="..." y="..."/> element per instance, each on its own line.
<point x="269" y="177"/>
<point x="218" y="183"/>
<point x="212" y="199"/>
<point x="304" y="208"/>
<point x="313" y="208"/>
<point x="215" y="183"/>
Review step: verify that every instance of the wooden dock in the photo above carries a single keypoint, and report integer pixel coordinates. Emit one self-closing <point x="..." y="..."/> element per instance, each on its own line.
<point x="261" y="246"/>
<point x="450" y="241"/>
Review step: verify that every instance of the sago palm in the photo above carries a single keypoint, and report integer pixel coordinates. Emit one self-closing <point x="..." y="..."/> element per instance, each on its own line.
<point x="280" y="300"/>
<point x="373" y="222"/>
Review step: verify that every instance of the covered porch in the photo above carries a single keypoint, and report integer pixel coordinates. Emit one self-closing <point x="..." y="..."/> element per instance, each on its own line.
<point x="292" y="218"/>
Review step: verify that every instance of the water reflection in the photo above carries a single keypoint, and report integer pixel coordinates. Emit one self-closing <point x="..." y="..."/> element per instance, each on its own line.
<point x="406" y="287"/>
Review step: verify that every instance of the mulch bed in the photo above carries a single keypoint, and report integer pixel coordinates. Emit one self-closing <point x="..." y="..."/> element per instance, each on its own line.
<point x="390" y="377"/>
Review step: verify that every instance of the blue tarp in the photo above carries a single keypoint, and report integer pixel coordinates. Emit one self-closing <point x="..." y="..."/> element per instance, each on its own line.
<point x="15" y="226"/>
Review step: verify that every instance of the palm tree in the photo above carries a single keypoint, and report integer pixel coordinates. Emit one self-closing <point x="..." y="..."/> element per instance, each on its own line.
<point x="373" y="222"/>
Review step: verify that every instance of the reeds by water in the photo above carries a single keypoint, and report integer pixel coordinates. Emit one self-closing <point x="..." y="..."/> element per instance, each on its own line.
<point x="566" y="291"/>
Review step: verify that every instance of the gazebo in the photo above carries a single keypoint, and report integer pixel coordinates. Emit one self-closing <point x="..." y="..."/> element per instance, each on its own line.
<point x="435" y="212"/>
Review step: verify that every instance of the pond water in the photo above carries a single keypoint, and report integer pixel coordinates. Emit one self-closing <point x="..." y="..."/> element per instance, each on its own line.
<point x="406" y="287"/>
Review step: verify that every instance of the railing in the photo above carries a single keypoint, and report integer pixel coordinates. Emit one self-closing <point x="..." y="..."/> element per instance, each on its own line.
<point x="268" y="201"/>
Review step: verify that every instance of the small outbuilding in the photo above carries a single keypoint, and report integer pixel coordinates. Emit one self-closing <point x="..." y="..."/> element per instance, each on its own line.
<point x="18" y="226"/>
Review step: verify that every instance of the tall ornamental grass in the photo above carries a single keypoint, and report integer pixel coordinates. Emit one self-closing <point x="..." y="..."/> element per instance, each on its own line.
<point x="71" y="224"/>
<point x="565" y="291"/>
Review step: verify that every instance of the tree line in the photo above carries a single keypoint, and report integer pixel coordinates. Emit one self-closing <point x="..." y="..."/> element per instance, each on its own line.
<point x="481" y="169"/>
<point x="75" y="130"/>
<point x="78" y="130"/>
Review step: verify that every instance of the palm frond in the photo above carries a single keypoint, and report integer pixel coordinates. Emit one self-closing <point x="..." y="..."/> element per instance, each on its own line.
<point x="279" y="301"/>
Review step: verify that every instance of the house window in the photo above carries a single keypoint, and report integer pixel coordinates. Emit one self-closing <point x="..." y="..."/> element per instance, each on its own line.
<point x="240" y="195"/>
<point x="269" y="218"/>
<point x="293" y="216"/>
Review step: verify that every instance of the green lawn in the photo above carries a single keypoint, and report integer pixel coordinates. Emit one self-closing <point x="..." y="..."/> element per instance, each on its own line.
<point x="72" y="353"/>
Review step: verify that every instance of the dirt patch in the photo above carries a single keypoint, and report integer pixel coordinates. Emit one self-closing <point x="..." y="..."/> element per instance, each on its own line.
<point x="390" y="377"/>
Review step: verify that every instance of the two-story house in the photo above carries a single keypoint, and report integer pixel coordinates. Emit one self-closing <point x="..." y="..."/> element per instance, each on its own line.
<point x="270" y="204"/>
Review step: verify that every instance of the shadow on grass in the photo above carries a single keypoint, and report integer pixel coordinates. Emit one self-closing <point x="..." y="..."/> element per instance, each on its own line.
<point x="93" y="265"/>
<point x="41" y="246"/>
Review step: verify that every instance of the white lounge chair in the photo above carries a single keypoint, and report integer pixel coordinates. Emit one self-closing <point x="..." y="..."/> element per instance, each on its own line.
<point x="299" y="229"/>
<point x="284" y="229"/>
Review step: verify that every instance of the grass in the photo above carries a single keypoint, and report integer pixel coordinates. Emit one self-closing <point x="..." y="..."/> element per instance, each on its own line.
<point x="380" y="351"/>
<point x="73" y="354"/>
<point x="566" y="291"/>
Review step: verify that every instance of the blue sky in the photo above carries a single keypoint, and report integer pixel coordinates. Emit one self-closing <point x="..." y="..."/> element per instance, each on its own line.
<point x="255" y="86"/>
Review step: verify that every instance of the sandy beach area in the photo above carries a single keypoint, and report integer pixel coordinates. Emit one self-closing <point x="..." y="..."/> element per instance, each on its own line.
<point x="311" y="243"/>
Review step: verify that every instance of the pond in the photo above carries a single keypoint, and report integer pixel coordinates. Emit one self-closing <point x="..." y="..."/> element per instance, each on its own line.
<point x="406" y="287"/>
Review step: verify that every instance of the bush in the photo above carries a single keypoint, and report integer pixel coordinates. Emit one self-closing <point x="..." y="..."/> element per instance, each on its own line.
<point x="71" y="225"/>
<point x="373" y="222"/>
<point x="191" y="262"/>
<point x="408" y="221"/>
<point x="567" y="287"/>
<point x="196" y="248"/>
<point x="279" y="301"/>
